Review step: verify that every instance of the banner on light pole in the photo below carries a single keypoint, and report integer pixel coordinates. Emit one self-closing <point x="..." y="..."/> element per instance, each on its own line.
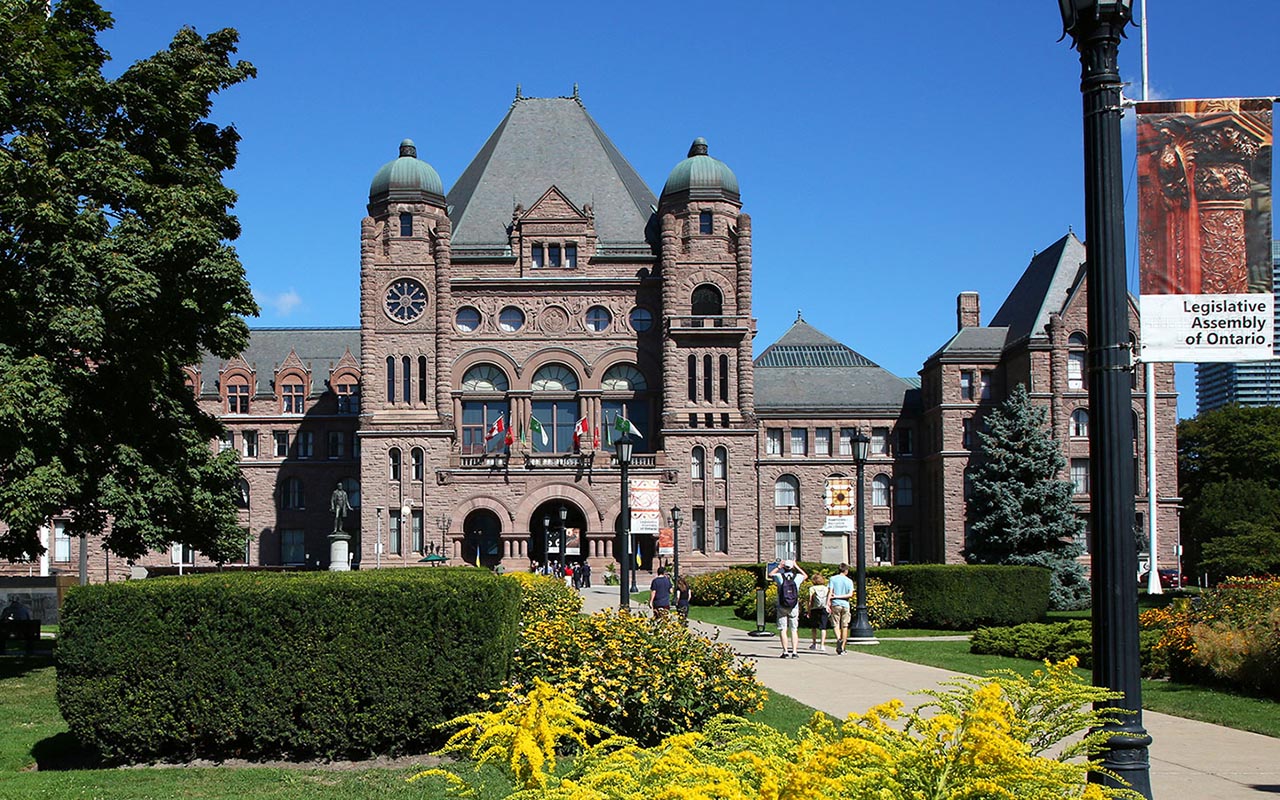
<point x="646" y="505"/>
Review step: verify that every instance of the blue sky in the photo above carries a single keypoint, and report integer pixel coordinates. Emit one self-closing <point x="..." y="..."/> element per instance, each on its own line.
<point x="889" y="160"/>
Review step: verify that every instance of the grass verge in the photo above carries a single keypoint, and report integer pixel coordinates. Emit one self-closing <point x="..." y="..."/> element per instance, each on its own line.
<point x="723" y="615"/>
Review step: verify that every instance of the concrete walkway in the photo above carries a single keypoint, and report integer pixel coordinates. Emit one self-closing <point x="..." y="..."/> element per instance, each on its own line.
<point x="1188" y="758"/>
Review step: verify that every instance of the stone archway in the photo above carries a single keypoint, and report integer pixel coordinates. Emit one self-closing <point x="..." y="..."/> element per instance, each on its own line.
<point x="548" y="542"/>
<point x="482" y="538"/>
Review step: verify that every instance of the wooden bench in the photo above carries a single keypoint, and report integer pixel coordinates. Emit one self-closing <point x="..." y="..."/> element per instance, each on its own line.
<point x="27" y="630"/>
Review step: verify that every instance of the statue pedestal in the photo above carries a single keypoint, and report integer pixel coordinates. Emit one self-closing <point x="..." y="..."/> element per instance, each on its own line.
<point x="338" y="549"/>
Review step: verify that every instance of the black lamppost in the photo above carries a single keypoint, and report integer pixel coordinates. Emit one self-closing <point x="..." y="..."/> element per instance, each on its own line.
<point x="623" y="447"/>
<point x="445" y="524"/>
<point x="546" y="542"/>
<point x="564" y="536"/>
<point x="676" y="516"/>
<point x="1096" y="27"/>
<point x="860" y="631"/>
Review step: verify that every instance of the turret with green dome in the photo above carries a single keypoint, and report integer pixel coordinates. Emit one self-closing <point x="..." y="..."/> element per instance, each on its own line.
<point x="701" y="177"/>
<point x="407" y="178"/>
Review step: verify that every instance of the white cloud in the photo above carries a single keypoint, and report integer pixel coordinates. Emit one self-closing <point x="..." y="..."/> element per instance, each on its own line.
<point x="282" y="304"/>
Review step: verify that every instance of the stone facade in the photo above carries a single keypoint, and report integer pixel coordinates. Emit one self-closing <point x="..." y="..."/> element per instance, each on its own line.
<point x="559" y="292"/>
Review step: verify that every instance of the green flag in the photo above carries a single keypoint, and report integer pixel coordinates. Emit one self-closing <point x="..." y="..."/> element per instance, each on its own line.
<point x="623" y="425"/>
<point x="536" y="427"/>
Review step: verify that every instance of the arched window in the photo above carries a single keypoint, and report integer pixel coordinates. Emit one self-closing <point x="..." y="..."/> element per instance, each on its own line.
<point x="720" y="464"/>
<point x="485" y="386"/>
<point x="626" y="395"/>
<point x="391" y="379"/>
<point x="555" y="407"/>
<point x="242" y="496"/>
<point x="393" y="464"/>
<point x="698" y="464"/>
<point x="292" y="497"/>
<point x="623" y="378"/>
<point x="406" y="224"/>
<point x="422" y="379"/>
<point x="484" y="378"/>
<point x="904" y="490"/>
<point x="406" y="391"/>
<point x="292" y="396"/>
<point x="417" y="462"/>
<point x="693" y="378"/>
<point x="1080" y="424"/>
<point x="237" y="395"/>
<point x="1077" y="378"/>
<point x="707" y="379"/>
<point x="880" y="490"/>
<point x="724" y="379"/>
<point x="786" y="491"/>
<point x="706" y="301"/>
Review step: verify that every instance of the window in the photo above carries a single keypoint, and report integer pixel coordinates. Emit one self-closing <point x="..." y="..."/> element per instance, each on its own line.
<point x="559" y="419"/>
<point x="306" y="444"/>
<point x="598" y="318"/>
<point x="337" y="444"/>
<point x="1080" y="475"/>
<point x="570" y="256"/>
<point x="406" y="224"/>
<point x="698" y="529"/>
<point x="415" y="529"/>
<point x="984" y="386"/>
<point x="719" y="463"/>
<point x="904" y="491"/>
<point x="623" y="378"/>
<point x="784" y="542"/>
<point x="966" y="384"/>
<point x="406" y="379"/>
<point x="226" y="442"/>
<point x="292" y="547"/>
<point x="906" y="443"/>
<point x="554" y="378"/>
<point x="1080" y="424"/>
<point x="786" y="491"/>
<point x="846" y="441"/>
<point x="707" y="380"/>
<point x="348" y="398"/>
<point x="724" y="379"/>
<point x="553" y="256"/>
<point x="393" y="464"/>
<point x="61" y="541"/>
<point x="479" y="413"/>
<point x="704" y="222"/>
<point x="393" y="532"/>
<point x="510" y="319"/>
<point x="282" y="443"/>
<point x="880" y="490"/>
<point x="1076" y="380"/>
<point x="879" y="441"/>
<point x="249" y="443"/>
<point x="467" y="319"/>
<point x="698" y="464"/>
<point x="352" y="487"/>
<point x="417" y="463"/>
<point x="822" y="441"/>
<point x="722" y="530"/>
<point x="391" y="379"/>
<point x="535" y="255"/>
<point x="773" y="441"/>
<point x="238" y="397"/>
<point x="291" y="398"/>
<point x="706" y="301"/>
<point x="291" y="495"/>
<point x="966" y="433"/>
<point x="693" y="378"/>
<point x="641" y="319"/>
<point x="799" y="442"/>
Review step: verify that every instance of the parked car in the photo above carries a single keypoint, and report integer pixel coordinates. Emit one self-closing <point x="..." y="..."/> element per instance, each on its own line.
<point x="1168" y="579"/>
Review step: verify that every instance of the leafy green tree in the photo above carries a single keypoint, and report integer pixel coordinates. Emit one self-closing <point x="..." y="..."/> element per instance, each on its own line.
<point x="1229" y="478"/>
<point x="1020" y="512"/>
<point x="115" y="271"/>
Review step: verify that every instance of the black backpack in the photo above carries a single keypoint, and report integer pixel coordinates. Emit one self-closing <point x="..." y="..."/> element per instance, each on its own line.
<point x="788" y="593"/>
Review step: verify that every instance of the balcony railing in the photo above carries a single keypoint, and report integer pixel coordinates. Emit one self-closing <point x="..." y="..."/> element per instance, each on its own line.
<point x="722" y="323"/>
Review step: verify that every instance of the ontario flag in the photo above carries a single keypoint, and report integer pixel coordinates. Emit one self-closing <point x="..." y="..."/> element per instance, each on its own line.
<point x="623" y="426"/>
<point x="579" y="430"/>
<point x="499" y="425"/>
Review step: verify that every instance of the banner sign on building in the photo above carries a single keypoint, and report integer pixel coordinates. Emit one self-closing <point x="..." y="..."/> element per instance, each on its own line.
<point x="1204" y="230"/>
<point x="666" y="542"/>
<point x="839" y="501"/>
<point x="572" y="541"/>
<point x="646" y="505"/>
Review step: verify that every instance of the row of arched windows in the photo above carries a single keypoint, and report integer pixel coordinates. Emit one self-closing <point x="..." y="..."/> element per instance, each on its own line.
<point x="405" y="386"/>
<point x="710" y="384"/>
<point x="719" y="464"/>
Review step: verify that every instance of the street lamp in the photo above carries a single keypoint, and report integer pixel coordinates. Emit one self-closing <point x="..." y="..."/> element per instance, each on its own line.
<point x="1096" y="27"/>
<point x="676" y="516"/>
<point x="564" y="536"/>
<point x="546" y="543"/>
<point x="860" y="631"/>
<point x="623" y="451"/>
<point x="444" y="524"/>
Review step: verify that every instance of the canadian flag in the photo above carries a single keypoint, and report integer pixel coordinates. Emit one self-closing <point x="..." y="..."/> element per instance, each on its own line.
<point x="498" y="426"/>
<point x="579" y="430"/>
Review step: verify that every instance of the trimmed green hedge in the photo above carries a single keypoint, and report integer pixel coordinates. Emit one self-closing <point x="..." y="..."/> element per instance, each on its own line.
<point x="959" y="596"/>
<point x="1055" y="641"/>
<point x="298" y="665"/>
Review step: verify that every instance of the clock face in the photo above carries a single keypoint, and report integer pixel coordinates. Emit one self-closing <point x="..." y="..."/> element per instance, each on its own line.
<point x="406" y="300"/>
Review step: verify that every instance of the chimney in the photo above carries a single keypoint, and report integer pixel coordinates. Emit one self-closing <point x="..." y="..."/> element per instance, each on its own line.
<point x="968" y="311"/>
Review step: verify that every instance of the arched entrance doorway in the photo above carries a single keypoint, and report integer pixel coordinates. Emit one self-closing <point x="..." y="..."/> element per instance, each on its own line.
<point x="557" y="534"/>
<point x="482" y="538"/>
<point x="643" y="545"/>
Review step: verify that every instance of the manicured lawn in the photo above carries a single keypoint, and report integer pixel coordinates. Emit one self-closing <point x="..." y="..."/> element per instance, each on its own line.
<point x="723" y="615"/>
<point x="1179" y="699"/>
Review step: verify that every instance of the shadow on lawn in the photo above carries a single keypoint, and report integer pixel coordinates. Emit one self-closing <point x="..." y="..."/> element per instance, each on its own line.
<point x="62" y="752"/>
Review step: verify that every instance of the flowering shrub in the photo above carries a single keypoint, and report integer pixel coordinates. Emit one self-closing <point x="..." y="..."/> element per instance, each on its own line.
<point x="981" y="738"/>
<point x="886" y="605"/>
<point x="545" y="597"/>
<point x="642" y="677"/>
<point x="722" y="588"/>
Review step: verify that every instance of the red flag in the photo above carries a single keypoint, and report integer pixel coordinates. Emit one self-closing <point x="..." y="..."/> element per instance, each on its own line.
<point x="511" y="435"/>
<point x="596" y="442"/>
<point x="579" y="430"/>
<point x="496" y="428"/>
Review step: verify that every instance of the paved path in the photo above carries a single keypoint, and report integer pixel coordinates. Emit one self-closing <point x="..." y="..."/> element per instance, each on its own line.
<point x="1189" y="759"/>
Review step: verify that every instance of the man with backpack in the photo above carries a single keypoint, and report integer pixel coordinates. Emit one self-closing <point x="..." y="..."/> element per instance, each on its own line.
<point x="788" y="576"/>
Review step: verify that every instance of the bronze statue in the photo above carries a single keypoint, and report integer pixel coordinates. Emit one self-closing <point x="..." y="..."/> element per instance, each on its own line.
<point x="339" y="505"/>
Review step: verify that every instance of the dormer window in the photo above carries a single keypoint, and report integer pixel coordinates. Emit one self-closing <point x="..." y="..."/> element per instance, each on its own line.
<point x="704" y="222"/>
<point x="570" y="256"/>
<point x="406" y="224"/>
<point x="536" y="254"/>
<point x="553" y="256"/>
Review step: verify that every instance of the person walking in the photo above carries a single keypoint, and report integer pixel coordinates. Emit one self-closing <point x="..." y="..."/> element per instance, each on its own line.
<point x="788" y="576"/>
<point x="838" y="596"/>
<point x="660" y="594"/>
<point x="683" y="597"/>
<point x="819" y="617"/>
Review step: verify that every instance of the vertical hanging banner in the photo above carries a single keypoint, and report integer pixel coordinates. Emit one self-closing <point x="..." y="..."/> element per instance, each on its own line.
<point x="646" y="505"/>
<point x="666" y="542"/>
<point x="1204" y="230"/>
<point x="839" y="501"/>
<point x="572" y="541"/>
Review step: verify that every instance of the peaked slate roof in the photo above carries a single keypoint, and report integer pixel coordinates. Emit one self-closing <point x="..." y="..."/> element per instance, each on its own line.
<point x="541" y="142"/>
<point x="319" y="349"/>
<point x="806" y="369"/>
<point x="978" y="342"/>
<point x="1042" y="290"/>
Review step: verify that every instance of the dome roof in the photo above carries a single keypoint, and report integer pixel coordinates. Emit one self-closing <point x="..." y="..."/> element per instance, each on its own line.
<point x="406" y="178"/>
<point x="701" y="175"/>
